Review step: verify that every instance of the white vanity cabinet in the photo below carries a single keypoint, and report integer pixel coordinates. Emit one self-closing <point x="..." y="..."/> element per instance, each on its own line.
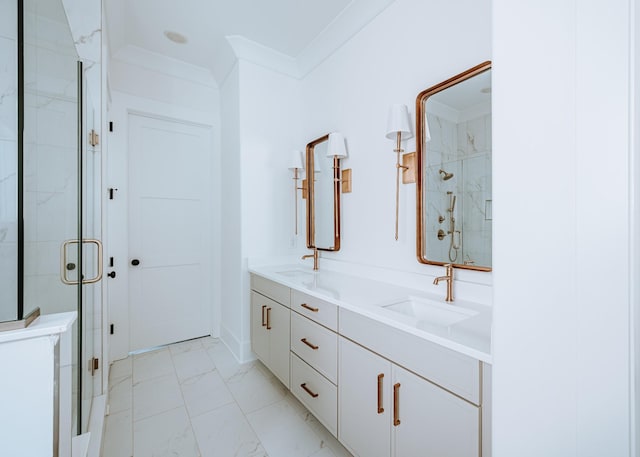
<point x="385" y="410"/>
<point x="314" y="357"/>
<point x="270" y="326"/>
<point x="364" y="401"/>
<point x="381" y="390"/>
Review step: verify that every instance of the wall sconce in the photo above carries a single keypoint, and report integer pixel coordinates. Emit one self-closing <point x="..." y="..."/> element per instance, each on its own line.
<point x="397" y="125"/>
<point x="338" y="150"/>
<point x="296" y="166"/>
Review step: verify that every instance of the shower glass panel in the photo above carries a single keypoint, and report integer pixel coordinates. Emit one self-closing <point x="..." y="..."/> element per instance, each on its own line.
<point x="91" y="230"/>
<point x="9" y="172"/>
<point x="54" y="186"/>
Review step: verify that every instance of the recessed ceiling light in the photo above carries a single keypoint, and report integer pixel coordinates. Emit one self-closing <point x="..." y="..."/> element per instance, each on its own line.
<point x="175" y="37"/>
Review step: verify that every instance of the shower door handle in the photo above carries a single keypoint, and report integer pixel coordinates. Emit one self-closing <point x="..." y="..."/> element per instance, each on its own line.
<point x="63" y="262"/>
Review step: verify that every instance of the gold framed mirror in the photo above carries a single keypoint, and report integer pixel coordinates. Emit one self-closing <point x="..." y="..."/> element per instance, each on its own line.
<point x="453" y="178"/>
<point x="323" y="196"/>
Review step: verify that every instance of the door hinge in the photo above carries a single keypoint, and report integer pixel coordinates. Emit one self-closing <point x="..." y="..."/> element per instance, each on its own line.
<point x="111" y="126"/>
<point x="94" y="364"/>
<point x="112" y="329"/>
<point x="111" y="192"/>
<point x="94" y="138"/>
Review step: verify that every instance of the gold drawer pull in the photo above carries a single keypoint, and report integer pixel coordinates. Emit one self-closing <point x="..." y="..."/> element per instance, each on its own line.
<point x="307" y="390"/>
<point x="263" y="322"/>
<point x="396" y="404"/>
<point x="380" y="408"/>
<point x="268" y="318"/>
<point x="312" y="346"/>
<point x="310" y="308"/>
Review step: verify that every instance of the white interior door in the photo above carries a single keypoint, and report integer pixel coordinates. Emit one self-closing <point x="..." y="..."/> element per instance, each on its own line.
<point x="169" y="231"/>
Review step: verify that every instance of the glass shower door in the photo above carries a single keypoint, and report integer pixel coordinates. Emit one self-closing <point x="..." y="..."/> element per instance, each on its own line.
<point x="92" y="256"/>
<point x="60" y="187"/>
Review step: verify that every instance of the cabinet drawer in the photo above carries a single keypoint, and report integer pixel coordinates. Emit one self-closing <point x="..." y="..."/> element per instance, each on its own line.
<point x="323" y="312"/>
<point x="321" y="396"/>
<point x="273" y="290"/>
<point x="315" y="345"/>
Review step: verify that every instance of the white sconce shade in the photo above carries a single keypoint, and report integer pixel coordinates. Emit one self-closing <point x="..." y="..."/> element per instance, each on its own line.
<point x="426" y="131"/>
<point x="337" y="147"/>
<point x="296" y="161"/>
<point x="398" y="121"/>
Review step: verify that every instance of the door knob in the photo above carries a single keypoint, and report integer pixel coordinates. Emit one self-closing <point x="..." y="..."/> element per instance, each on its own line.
<point x="112" y="274"/>
<point x="135" y="262"/>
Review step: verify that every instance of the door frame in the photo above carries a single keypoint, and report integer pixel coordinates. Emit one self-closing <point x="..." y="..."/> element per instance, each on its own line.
<point x="117" y="220"/>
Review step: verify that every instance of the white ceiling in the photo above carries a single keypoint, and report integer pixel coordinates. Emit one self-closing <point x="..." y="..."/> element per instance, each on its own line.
<point x="288" y="28"/>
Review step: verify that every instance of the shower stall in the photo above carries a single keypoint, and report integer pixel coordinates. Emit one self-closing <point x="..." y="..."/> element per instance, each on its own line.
<point x="50" y="181"/>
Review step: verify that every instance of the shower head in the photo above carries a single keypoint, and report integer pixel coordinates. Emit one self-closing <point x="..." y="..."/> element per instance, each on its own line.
<point x="445" y="176"/>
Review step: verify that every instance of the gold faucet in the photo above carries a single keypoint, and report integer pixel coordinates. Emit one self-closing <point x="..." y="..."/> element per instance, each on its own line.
<point x="315" y="256"/>
<point x="449" y="278"/>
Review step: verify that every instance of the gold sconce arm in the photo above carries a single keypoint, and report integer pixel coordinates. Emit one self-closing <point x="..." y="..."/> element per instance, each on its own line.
<point x="398" y="124"/>
<point x="398" y="150"/>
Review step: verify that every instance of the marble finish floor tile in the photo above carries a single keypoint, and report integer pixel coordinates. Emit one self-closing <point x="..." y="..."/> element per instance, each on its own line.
<point x="192" y="363"/>
<point x="120" y="437"/>
<point x="226" y="431"/>
<point x="165" y="434"/>
<point x="151" y="365"/>
<point x="193" y="399"/>
<point x="283" y="432"/>
<point x="205" y="392"/>
<point x="156" y="396"/>
<point x="253" y="390"/>
<point x="120" y="394"/>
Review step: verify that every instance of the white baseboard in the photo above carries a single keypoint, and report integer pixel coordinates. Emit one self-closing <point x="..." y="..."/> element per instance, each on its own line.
<point x="241" y="350"/>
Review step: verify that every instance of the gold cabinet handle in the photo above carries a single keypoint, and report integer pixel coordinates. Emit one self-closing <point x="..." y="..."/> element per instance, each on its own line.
<point x="380" y="382"/>
<point x="396" y="404"/>
<point x="307" y="390"/>
<point x="268" y="318"/>
<point x="311" y="345"/>
<point x="264" y="324"/>
<point x="310" y="308"/>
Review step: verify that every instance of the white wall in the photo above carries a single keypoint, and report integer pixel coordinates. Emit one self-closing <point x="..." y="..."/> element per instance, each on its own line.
<point x="150" y="90"/>
<point x="561" y="340"/>
<point x="350" y="92"/>
<point x="261" y="116"/>
<point x="409" y="47"/>
<point x="231" y="272"/>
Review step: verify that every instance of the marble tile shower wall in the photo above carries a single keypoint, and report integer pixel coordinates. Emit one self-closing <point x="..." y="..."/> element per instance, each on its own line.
<point x="463" y="149"/>
<point x="8" y="160"/>
<point x="50" y="150"/>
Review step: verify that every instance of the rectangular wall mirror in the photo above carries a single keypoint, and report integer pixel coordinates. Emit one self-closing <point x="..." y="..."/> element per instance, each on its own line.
<point x="453" y="182"/>
<point x="323" y="199"/>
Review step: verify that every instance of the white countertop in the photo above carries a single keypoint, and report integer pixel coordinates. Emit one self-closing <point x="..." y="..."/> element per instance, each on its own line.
<point x="471" y="336"/>
<point x="48" y="324"/>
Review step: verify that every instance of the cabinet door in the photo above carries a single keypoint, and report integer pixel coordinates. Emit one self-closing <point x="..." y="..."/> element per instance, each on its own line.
<point x="259" y="335"/>
<point x="433" y="422"/>
<point x="279" y="320"/>
<point x="364" y="401"/>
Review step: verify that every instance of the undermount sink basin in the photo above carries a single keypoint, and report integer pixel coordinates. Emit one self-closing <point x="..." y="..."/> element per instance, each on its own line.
<point x="301" y="274"/>
<point x="431" y="312"/>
